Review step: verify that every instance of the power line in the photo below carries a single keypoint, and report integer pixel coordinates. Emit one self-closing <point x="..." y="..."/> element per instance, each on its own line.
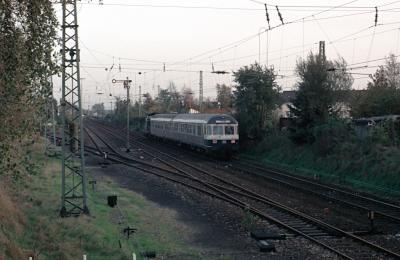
<point x="235" y="44"/>
<point x="322" y="6"/>
<point x="301" y="8"/>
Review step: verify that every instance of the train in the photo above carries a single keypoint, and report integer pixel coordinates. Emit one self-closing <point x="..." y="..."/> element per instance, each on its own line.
<point x="215" y="133"/>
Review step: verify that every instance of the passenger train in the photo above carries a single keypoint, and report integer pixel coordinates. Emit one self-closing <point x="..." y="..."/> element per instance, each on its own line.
<point x="217" y="133"/>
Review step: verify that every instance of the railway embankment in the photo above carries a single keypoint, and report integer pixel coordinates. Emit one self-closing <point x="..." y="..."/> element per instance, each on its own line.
<point x="30" y="224"/>
<point x="362" y="164"/>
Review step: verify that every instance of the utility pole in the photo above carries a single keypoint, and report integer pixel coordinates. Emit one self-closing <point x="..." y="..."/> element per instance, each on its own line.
<point x="201" y="92"/>
<point x="322" y="54"/>
<point x="46" y="120"/>
<point x="73" y="177"/>
<point x="259" y="43"/>
<point x="140" y="101"/>
<point x="127" y="85"/>
<point x="53" y="118"/>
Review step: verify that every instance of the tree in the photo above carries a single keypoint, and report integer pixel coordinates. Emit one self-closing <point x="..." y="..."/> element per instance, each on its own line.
<point x="256" y="96"/>
<point x="169" y="100"/>
<point x="187" y="99"/>
<point x="98" y="109"/>
<point x="224" y="96"/>
<point x="27" y="40"/>
<point x="382" y="96"/>
<point x="321" y="89"/>
<point x="149" y="105"/>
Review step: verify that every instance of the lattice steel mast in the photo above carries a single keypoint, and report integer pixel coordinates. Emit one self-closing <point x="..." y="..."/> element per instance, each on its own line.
<point x="73" y="197"/>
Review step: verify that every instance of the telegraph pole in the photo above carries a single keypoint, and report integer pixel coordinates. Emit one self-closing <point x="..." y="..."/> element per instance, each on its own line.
<point x="140" y="101"/>
<point x="73" y="177"/>
<point x="322" y="53"/>
<point x="53" y="112"/>
<point x="127" y="85"/>
<point x="46" y="120"/>
<point x="201" y="92"/>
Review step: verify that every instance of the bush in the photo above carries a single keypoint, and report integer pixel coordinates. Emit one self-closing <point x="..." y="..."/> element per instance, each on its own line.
<point x="329" y="135"/>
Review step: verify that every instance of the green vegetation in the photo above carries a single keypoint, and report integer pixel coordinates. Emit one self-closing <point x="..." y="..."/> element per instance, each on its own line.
<point x="382" y="96"/>
<point x="27" y="39"/>
<point x="256" y="95"/>
<point x="364" y="164"/>
<point x="322" y="142"/>
<point x="319" y="93"/>
<point x="30" y="223"/>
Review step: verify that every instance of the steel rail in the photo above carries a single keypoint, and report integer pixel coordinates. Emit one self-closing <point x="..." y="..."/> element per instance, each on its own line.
<point x="327" y="188"/>
<point x="232" y="200"/>
<point x="273" y="203"/>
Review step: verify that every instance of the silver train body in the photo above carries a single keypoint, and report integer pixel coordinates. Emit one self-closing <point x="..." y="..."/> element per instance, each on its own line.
<point x="209" y="132"/>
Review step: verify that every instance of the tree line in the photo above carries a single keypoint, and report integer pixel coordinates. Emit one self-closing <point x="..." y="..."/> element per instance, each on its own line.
<point x="28" y="32"/>
<point x="324" y="95"/>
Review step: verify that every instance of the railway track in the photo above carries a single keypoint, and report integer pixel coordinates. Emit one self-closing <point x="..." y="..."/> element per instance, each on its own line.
<point x="387" y="210"/>
<point x="340" y="242"/>
<point x="382" y="210"/>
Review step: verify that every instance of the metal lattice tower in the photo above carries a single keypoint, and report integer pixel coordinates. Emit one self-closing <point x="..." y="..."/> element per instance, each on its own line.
<point x="201" y="92"/>
<point x="322" y="54"/>
<point x="73" y="197"/>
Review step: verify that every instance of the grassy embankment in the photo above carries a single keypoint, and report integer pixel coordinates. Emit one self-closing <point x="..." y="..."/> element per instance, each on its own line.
<point x="371" y="168"/>
<point x="29" y="222"/>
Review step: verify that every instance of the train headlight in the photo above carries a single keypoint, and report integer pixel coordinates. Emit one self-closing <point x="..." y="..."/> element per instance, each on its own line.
<point x="233" y="141"/>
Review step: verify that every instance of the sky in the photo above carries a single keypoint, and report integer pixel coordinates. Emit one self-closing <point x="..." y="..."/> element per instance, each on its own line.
<point x="120" y="38"/>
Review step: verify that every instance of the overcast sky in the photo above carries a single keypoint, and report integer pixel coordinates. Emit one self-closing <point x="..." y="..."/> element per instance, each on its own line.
<point x="132" y="36"/>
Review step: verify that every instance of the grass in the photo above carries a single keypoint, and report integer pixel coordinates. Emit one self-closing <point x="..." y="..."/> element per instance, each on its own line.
<point x="375" y="170"/>
<point x="30" y="223"/>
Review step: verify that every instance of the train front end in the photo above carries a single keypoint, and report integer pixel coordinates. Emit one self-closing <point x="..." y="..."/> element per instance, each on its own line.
<point x="222" y="134"/>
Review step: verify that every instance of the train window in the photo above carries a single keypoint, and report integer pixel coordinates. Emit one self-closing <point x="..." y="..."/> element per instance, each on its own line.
<point x="218" y="130"/>
<point x="209" y="132"/>
<point x="229" y="130"/>
<point x="199" y="130"/>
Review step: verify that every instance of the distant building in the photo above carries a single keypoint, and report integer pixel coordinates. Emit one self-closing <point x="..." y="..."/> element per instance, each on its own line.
<point x="364" y="126"/>
<point x="193" y="111"/>
<point x="285" y="98"/>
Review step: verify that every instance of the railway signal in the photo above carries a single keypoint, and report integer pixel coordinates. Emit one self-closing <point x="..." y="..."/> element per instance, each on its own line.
<point x="127" y="84"/>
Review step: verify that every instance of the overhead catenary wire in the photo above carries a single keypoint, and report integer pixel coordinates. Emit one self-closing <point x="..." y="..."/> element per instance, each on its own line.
<point x="297" y="8"/>
<point x="237" y="43"/>
<point x="229" y="46"/>
<point x="193" y="61"/>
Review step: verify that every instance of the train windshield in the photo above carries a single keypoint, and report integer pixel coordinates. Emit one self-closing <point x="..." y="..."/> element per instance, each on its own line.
<point x="229" y="130"/>
<point x="218" y="130"/>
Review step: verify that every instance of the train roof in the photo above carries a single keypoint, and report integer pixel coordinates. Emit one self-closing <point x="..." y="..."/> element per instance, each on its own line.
<point x="196" y="118"/>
